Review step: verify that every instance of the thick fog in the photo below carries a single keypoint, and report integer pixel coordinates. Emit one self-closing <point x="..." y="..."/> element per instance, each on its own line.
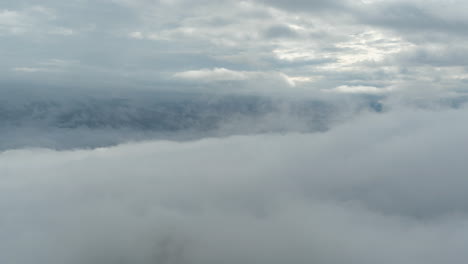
<point x="385" y="187"/>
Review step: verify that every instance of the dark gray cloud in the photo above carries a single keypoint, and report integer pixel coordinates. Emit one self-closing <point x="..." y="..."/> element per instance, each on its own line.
<point x="414" y="16"/>
<point x="441" y="56"/>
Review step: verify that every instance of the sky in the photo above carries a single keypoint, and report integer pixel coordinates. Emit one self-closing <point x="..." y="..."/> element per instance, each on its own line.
<point x="371" y="46"/>
<point x="206" y="132"/>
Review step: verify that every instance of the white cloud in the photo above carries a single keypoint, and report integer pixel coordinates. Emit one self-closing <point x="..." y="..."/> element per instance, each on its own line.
<point x="257" y="79"/>
<point x="8" y="17"/>
<point x="29" y="20"/>
<point x="215" y="74"/>
<point x="12" y="22"/>
<point x="359" y="89"/>
<point x="136" y="35"/>
<point x="372" y="190"/>
<point x="62" y="31"/>
<point x="52" y="65"/>
<point x="29" y="69"/>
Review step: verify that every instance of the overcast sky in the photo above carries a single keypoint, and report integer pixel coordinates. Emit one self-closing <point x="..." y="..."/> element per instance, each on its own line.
<point x="371" y="46"/>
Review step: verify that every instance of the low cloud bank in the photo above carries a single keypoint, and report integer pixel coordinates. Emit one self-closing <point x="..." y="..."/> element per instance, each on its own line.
<point x="385" y="188"/>
<point x="90" y="120"/>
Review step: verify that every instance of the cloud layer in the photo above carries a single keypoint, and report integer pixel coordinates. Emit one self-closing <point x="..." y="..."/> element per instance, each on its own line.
<point x="388" y="188"/>
<point x="325" y="44"/>
<point x="182" y="131"/>
<point x="59" y="119"/>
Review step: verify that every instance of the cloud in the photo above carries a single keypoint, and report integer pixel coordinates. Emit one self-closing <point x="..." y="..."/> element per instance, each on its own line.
<point x="416" y="16"/>
<point x="216" y="74"/>
<point x="31" y="20"/>
<point x="383" y="188"/>
<point x="433" y="55"/>
<point x="280" y="31"/>
<point x="89" y="118"/>
<point x="49" y="66"/>
<point x="13" y="22"/>
<point x="146" y="43"/>
<point x="359" y="89"/>
<point x="255" y="79"/>
<point x="29" y="69"/>
<point x="136" y="35"/>
<point x="302" y="131"/>
<point x="307" y="6"/>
